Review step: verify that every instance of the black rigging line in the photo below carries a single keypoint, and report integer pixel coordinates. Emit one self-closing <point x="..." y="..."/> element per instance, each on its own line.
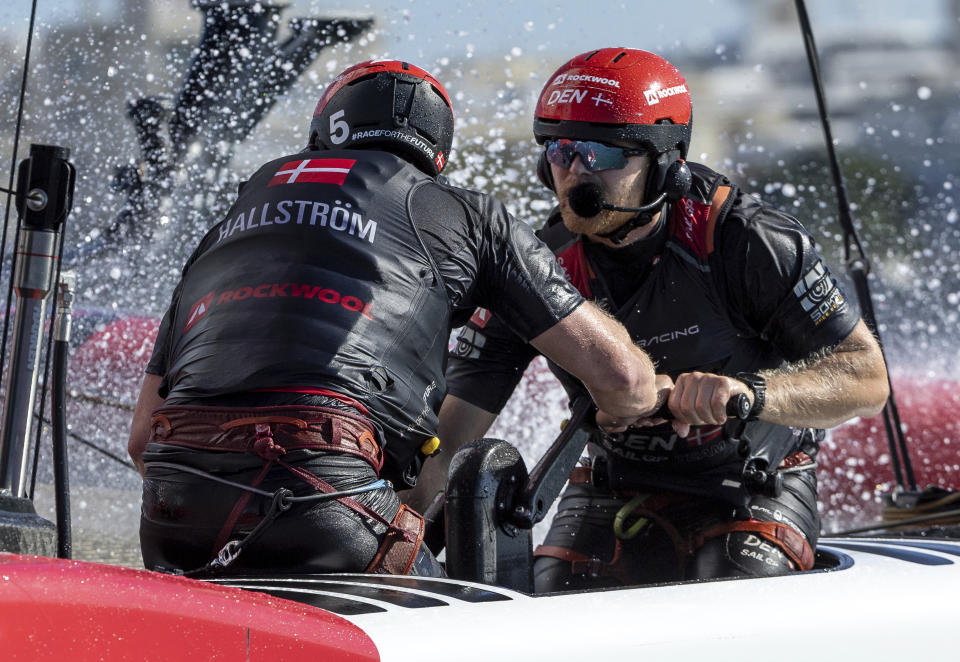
<point x="858" y="266"/>
<point x="89" y="444"/>
<point x="13" y="168"/>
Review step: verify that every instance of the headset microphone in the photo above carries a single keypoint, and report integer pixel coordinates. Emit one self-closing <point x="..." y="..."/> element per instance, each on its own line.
<point x="586" y="201"/>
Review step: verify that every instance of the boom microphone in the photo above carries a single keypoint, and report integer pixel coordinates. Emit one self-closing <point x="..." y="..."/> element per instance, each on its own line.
<point x="586" y="201"/>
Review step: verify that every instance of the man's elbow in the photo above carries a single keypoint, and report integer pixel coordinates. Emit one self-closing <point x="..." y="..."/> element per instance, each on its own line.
<point x="879" y="390"/>
<point x="880" y="396"/>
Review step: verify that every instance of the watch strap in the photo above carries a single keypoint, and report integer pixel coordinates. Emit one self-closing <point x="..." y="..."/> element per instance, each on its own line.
<point x="758" y="385"/>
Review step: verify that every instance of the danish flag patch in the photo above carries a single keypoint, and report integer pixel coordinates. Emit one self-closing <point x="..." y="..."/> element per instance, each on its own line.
<point x="439" y="160"/>
<point x="317" y="171"/>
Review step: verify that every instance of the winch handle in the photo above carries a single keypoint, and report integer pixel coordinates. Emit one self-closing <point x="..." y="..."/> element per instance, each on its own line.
<point x="737" y="407"/>
<point x="550" y="474"/>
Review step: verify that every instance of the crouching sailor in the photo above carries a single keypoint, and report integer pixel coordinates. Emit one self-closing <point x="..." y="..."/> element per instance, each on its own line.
<point x="728" y="295"/>
<point x="298" y="371"/>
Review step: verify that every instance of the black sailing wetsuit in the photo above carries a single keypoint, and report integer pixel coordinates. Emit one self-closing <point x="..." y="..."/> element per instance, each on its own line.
<point x="336" y="275"/>
<point x="725" y="284"/>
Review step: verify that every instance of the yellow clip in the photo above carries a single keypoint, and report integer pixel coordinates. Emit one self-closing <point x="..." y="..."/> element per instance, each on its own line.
<point x="563" y="423"/>
<point x="620" y="519"/>
<point x="430" y="446"/>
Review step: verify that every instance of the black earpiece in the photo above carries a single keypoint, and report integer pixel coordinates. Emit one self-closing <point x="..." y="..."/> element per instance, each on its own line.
<point x="677" y="181"/>
<point x="669" y="176"/>
<point x="544" y="174"/>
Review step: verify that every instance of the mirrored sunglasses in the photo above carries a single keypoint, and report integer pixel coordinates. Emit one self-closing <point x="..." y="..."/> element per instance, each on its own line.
<point x="595" y="156"/>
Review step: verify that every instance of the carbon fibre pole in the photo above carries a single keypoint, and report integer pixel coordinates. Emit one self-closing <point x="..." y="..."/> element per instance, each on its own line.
<point x="857" y="264"/>
<point x="49" y="176"/>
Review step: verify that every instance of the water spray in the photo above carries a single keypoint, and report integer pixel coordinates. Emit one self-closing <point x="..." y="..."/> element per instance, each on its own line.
<point x="238" y="63"/>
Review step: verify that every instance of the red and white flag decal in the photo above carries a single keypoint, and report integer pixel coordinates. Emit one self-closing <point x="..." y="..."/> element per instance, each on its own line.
<point x="440" y="160"/>
<point x="480" y="317"/>
<point x="319" y="171"/>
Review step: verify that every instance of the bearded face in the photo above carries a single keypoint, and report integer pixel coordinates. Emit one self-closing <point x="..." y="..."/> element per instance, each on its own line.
<point x="622" y="187"/>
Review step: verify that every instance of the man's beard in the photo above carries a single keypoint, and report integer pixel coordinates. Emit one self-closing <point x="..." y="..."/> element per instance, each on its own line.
<point x="604" y="222"/>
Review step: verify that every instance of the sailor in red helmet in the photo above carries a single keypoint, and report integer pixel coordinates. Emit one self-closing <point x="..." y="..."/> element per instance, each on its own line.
<point x="727" y="294"/>
<point x="301" y="359"/>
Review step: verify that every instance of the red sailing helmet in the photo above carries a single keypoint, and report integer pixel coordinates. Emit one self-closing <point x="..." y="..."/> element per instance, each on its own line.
<point x="389" y="105"/>
<point x="621" y="96"/>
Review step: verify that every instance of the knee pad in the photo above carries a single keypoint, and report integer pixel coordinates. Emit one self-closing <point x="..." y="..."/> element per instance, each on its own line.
<point x="756" y="555"/>
<point x="738" y="554"/>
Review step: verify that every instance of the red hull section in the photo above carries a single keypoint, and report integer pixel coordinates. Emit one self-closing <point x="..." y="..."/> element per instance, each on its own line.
<point x="855" y="461"/>
<point x="70" y="610"/>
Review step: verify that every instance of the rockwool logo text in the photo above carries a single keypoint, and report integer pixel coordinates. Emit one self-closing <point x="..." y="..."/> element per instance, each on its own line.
<point x="585" y="78"/>
<point x="654" y="95"/>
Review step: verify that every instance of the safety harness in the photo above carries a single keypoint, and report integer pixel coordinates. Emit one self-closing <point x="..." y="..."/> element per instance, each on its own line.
<point x="275" y="431"/>
<point x="645" y="508"/>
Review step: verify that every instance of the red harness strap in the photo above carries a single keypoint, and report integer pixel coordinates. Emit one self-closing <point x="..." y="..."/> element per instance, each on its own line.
<point x="325" y="487"/>
<point x="399" y="548"/>
<point x="277" y="430"/>
<point x="269" y="451"/>
<point x="292" y="428"/>
<point x="581" y="564"/>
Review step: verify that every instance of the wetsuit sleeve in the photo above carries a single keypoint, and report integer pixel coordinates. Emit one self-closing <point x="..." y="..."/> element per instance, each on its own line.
<point x="777" y="284"/>
<point x="489" y="259"/>
<point x="520" y="280"/>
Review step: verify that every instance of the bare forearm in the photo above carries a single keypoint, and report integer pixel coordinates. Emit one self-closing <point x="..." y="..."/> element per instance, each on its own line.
<point x="827" y="390"/>
<point x="596" y="349"/>
<point x="147" y="402"/>
<point x="634" y="398"/>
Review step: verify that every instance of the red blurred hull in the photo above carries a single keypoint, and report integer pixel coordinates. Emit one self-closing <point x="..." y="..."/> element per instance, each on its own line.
<point x="84" y="611"/>
<point x="855" y="465"/>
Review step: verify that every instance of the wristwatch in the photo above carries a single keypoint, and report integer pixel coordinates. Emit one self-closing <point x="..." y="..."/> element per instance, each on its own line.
<point x="758" y="385"/>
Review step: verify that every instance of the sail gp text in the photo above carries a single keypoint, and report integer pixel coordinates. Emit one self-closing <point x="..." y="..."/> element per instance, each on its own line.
<point x="269" y="290"/>
<point x="339" y="217"/>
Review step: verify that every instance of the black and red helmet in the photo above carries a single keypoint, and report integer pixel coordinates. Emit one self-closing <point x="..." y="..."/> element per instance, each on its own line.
<point x="390" y="105"/>
<point x="620" y="96"/>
